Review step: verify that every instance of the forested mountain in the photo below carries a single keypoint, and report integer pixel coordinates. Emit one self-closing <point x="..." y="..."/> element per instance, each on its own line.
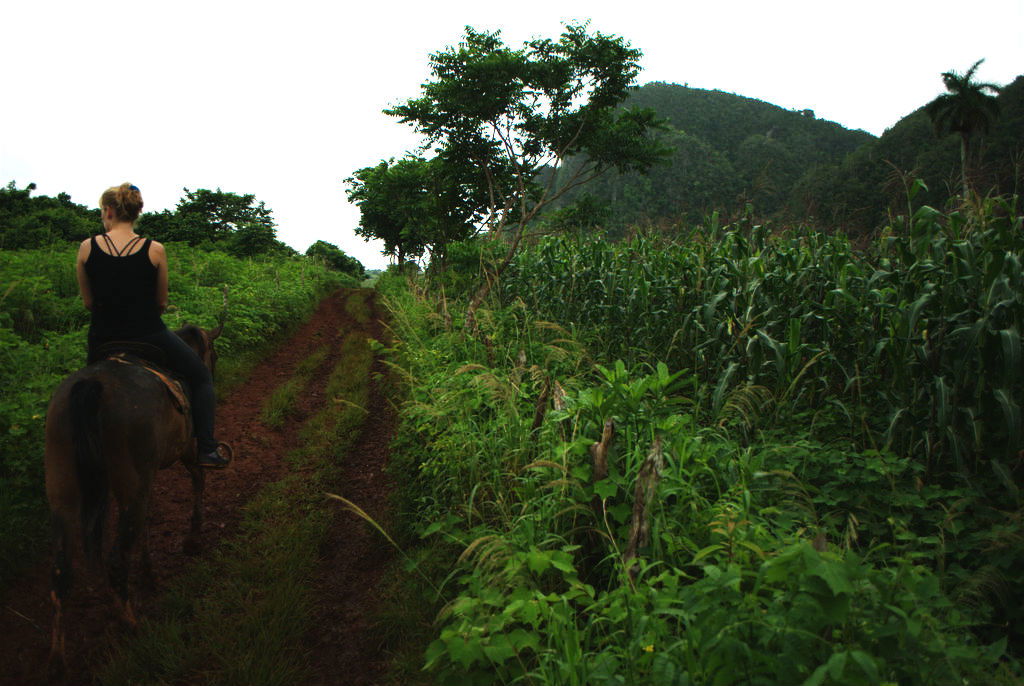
<point x="857" y="192"/>
<point x="731" y="150"/>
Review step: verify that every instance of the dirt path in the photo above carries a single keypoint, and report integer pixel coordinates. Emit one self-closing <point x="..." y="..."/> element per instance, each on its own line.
<point x="344" y="643"/>
<point x="352" y="557"/>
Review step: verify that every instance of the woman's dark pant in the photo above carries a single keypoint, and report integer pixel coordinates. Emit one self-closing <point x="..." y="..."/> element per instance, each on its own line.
<point x="182" y="360"/>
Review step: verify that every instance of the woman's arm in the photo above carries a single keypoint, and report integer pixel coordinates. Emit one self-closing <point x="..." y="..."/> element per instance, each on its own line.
<point x="158" y="256"/>
<point x="83" y="279"/>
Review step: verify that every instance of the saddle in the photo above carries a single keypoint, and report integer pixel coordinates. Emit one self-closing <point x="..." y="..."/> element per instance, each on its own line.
<point x="153" y="360"/>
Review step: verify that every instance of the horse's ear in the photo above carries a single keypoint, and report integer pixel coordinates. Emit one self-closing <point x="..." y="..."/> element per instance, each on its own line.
<point x="215" y="333"/>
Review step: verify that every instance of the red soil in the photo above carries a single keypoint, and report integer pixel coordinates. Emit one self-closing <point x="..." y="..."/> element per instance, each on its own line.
<point x="343" y="641"/>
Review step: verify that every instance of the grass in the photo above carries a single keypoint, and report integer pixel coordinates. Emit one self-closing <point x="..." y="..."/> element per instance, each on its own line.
<point x="357" y="307"/>
<point x="409" y="606"/>
<point x="347" y="396"/>
<point x="281" y="403"/>
<point x="238" y="617"/>
<point x="233" y="370"/>
<point x="241" y="616"/>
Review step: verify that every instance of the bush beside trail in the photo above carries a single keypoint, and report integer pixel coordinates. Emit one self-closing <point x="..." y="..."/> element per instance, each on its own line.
<point x="742" y="458"/>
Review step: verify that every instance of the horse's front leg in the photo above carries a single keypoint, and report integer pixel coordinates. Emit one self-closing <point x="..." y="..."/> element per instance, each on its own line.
<point x="146" y="577"/>
<point x="192" y="544"/>
<point x="59" y="588"/>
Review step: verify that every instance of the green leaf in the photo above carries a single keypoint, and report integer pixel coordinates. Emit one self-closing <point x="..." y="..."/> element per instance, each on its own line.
<point x="1011" y="415"/>
<point x="1005" y="476"/>
<point x="620" y="512"/>
<point x="606" y="488"/>
<point x="1010" y="342"/>
<point x="996" y="650"/>
<point x="562" y="561"/>
<point x="498" y="648"/>
<point x="817" y="678"/>
<point x="834" y="575"/>
<point x="704" y="552"/>
<point x="464" y="651"/>
<point x="867" y="664"/>
<point x="538" y="561"/>
<point x="433" y="528"/>
<point x="837" y="664"/>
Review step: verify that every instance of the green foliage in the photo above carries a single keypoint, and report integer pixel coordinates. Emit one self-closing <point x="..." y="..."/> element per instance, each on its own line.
<point x="497" y="117"/>
<point x="924" y="329"/>
<point x="790" y="510"/>
<point x="33" y="222"/>
<point x="728" y="150"/>
<point x="333" y="257"/>
<point x="396" y="205"/>
<point x="237" y="224"/>
<point x="858" y="192"/>
<point x="463" y="264"/>
<point x="415" y="204"/>
<point x="215" y="215"/>
<point x="731" y="150"/>
<point x="550" y="99"/>
<point x="234" y="223"/>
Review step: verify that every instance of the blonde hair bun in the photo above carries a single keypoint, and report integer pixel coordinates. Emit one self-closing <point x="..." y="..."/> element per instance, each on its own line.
<point x="125" y="200"/>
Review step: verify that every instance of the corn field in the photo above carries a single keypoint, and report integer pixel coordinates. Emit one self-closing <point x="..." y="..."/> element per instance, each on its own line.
<point x="730" y="456"/>
<point x="917" y="341"/>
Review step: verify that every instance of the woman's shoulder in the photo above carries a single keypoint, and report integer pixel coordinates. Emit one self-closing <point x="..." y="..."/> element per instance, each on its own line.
<point x="157" y="254"/>
<point x="85" y="248"/>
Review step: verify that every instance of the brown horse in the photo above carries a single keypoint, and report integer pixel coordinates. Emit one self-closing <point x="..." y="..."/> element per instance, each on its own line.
<point x="109" y="427"/>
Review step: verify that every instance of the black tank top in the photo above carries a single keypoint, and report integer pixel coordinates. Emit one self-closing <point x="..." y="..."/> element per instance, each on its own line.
<point x="123" y="293"/>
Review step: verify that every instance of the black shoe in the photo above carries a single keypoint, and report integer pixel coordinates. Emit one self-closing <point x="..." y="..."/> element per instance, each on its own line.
<point x="214" y="460"/>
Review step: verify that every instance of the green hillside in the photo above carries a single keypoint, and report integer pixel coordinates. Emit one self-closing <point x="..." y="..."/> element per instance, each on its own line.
<point x="731" y="151"/>
<point x="857" y="192"/>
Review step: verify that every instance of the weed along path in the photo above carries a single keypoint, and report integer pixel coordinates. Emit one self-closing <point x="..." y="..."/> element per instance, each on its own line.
<point x="283" y="590"/>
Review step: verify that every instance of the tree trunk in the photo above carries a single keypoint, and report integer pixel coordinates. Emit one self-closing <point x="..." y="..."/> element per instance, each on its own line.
<point x="485" y="288"/>
<point x="963" y="162"/>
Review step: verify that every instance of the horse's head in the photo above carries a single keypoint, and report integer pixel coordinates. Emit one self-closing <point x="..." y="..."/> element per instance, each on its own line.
<point x="201" y="341"/>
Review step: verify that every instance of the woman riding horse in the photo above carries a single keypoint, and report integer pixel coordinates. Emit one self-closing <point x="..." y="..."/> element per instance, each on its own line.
<point x="123" y="280"/>
<point x="110" y="426"/>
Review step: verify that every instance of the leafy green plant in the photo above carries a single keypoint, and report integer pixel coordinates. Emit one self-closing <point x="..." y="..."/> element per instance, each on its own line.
<point x="754" y="520"/>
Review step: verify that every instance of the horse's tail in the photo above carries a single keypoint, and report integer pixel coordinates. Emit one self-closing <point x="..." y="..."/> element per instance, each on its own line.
<point x="90" y="465"/>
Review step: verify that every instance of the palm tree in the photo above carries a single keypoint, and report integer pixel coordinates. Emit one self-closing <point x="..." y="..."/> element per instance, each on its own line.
<point x="967" y="108"/>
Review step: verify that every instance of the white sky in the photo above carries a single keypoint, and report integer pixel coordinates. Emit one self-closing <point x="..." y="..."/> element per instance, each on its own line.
<point x="284" y="99"/>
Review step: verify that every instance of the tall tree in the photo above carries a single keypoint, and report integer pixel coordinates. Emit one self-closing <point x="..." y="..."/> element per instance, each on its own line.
<point x="394" y="205"/>
<point x="415" y="204"/>
<point x="968" y="108"/>
<point x="502" y="116"/>
<point x="240" y="223"/>
<point x="217" y="215"/>
<point x="335" y="258"/>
